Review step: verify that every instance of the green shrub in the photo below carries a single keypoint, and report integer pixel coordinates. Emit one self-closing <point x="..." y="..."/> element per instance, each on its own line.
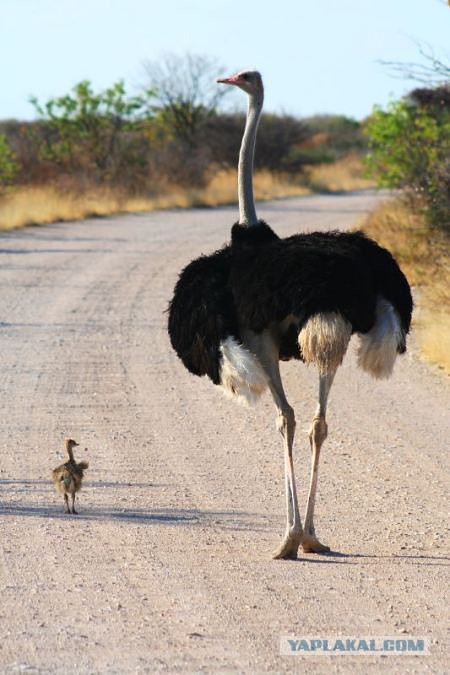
<point x="92" y="132"/>
<point x="8" y="164"/>
<point x="409" y="148"/>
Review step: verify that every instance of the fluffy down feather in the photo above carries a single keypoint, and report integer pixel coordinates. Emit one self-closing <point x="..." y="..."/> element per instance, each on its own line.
<point x="241" y="373"/>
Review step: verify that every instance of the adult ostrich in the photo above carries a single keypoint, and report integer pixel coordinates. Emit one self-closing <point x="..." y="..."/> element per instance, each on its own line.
<point x="239" y="311"/>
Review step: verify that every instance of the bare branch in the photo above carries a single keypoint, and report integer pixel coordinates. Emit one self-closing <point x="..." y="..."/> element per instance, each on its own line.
<point x="433" y="71"/>
<point x="189" y="79"/>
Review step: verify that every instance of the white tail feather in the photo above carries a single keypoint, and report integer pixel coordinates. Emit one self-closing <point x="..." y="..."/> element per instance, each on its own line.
<point x="241" y="374"/>
<point x="378" y="348"/>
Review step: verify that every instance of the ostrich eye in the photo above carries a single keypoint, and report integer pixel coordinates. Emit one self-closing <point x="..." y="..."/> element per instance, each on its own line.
<point x="244" y="76"/>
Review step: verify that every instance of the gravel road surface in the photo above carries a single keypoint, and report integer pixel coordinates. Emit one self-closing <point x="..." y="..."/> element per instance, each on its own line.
<point x="167" y="567"/>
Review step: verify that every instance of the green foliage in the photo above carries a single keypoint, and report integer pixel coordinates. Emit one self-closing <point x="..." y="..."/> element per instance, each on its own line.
<point x="173" y="131"/>
<point x="409" y="148"/>
<point x="86" y="128"/>
<point x="8" y="164"/>
<point x="181" y="121"/>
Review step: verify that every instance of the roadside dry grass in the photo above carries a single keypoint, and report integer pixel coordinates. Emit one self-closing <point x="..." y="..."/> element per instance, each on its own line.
<point x="43" y="204"/>
<point x="342" y="176"/>
<point x="424" y="254"/>
<point x="46" y="204"/>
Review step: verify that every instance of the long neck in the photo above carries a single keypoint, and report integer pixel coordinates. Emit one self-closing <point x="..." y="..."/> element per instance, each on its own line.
<point x="70" y="453"/>
<point x="247" y="211"/>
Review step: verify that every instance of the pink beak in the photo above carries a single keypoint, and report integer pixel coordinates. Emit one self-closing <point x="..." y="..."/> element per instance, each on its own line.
<point x="234" y="79"/>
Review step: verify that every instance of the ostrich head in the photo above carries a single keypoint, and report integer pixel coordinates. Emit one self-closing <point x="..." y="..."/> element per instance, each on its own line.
<point x="249" y="81"/>
<point x="70" y="443"/>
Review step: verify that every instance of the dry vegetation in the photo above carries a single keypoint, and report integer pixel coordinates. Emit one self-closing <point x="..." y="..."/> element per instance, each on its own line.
<point x="424" y="254"/>
<point x="43" y="204"/>
<point x="342" y="176"/>
<point x="48" y="203"/>
<point x="101" y="152"/>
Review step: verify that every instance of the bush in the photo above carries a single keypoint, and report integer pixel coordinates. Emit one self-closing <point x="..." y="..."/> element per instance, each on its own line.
<point x="278" y="138"/>
<point x="336" y="135"/>
<point x="173" y="132"/>
<point x="8" y="165"/>
<point x="409" y="148"/>
<point x="91" y="133"/>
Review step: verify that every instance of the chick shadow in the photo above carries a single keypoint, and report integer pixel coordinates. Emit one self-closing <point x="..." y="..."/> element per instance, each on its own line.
<point x="216" y="520"/>
<point x="44" y="485"/>
<point x="57" y="513"/>
<point x="50" y="510"/>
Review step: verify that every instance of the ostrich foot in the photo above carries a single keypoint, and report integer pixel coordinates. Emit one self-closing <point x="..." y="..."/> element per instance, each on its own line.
<point x="310" y="544"/>
<point x="288" y="548"/>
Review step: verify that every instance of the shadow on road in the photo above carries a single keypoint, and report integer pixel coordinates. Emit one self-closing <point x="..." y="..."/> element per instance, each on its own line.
<point x="215" y="519"/>
<point x="442" y="560"/>
<point x="53" y="512"/>
<point x="28" y="483"/>
<point x="29" y="251"/>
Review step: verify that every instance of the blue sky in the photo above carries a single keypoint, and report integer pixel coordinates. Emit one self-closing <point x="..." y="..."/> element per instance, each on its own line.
<point x="316" y="56"/>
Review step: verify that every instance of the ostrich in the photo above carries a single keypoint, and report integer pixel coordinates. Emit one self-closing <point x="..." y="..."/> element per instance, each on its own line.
<point x="237" y="312"/>
<point x="68" y="477"/>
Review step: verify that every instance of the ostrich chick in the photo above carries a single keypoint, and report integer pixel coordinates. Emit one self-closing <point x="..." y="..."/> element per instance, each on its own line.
<point x="69" y="476"/>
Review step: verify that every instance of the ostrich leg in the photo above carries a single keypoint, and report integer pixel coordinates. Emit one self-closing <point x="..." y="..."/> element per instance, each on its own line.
<point x="265" y="347"/>
<point x="317" y="435"/>
<point x="73" y="504"/>
<point x="286" y="425"/>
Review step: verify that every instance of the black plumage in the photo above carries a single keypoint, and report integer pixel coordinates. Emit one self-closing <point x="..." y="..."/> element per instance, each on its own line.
<point x="260" y="279"/>
<point x="238" y="311"/>
<point x="201" y="313"/>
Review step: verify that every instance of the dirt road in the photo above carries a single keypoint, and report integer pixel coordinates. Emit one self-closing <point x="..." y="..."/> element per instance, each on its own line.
<point x="167" y="567"/>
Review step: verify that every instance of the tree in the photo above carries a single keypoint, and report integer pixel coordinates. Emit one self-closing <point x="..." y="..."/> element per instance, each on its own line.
<point x="433" y="70"/>
<point x="186" y="93"/>
<point x="409" y="148"/>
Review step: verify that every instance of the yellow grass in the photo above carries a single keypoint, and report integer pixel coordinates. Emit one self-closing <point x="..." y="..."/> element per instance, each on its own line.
<point x="47" y="204"/>
<point x="435" y="337"/>
<point x="342" y="176"/>
<point x="424" y="254"/>
<point x="222" y="189"/>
